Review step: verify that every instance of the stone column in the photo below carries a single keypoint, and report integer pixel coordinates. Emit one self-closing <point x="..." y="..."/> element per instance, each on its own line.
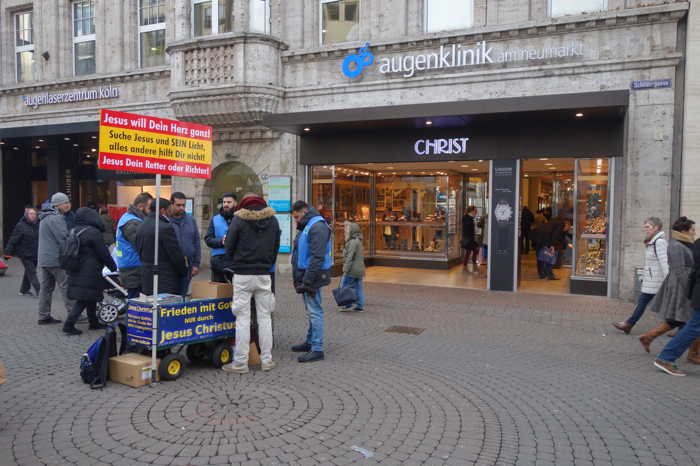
<point x="690" y="173"/>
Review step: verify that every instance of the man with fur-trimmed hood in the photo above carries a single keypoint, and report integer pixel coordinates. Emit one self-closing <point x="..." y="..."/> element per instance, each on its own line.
<point x="253" y="240"/>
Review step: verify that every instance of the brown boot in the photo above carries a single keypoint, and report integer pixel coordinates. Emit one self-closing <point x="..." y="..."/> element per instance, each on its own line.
<point x="694" y="352"/>
<point x="657" y="331"/>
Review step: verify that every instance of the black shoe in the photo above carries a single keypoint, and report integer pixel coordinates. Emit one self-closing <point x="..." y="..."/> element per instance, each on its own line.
<point x="97" y="327"/>
<point x="303" y="348"/>
<point x="552" y="278"/>
<point x="71" y="331"/>
<point x="311" y="356"/>
<point x="28" y="293"/>
<point x="48" y="321"/>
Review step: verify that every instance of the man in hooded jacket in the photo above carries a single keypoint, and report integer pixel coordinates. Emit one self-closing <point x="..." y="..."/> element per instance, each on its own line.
<point x="53" y="231"/>
<point x="24" y="243"/>
<point x="252" y="241"/>
<point x="216" y="235"/>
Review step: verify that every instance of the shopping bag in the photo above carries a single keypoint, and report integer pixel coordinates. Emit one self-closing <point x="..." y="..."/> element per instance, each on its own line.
<point x="547" y="255"/>
<point x="345" y="295"/>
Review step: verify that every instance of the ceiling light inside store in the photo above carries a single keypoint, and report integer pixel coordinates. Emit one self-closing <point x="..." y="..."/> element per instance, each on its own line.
<point x="599" y="162"/>
<point x="480" y="161"/>
<point x="390" y="168"/>
<point x="552" y="168"/>
<point x="93" y="150"/>
<point x="579" y="115"/>
<point x="548" y="164"/>
<point x="307" y="129"/>
<point x="598" y="170"/>
<point x="41" y="140"/>
<point x="475" y="169"/>
<point x="93" y="136"/>
<point x="16" y="148"/>
<point x="428" y="122"/>
<point x="526" y="175"/>
<point x="37" y="147"/>
<point x="2" y="143"/>
<point x="66" y="139"/>
<point x="544" y="158"/>
<point x="464" y="166"/>
<point x="75" y="144"/>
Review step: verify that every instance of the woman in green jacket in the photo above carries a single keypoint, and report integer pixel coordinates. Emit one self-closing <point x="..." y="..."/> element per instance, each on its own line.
<point x="354" y="265"/>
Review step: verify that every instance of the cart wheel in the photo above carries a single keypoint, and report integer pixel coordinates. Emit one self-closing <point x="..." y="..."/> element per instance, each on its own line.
<point x="198" y="353"/>
<point x="221" y="355"/>
<point x="171" y="367"/>
<point x="107" y="313"/>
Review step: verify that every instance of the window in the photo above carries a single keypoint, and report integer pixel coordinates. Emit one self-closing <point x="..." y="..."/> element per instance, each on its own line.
<point x="576" y="7"/>
<point x="448" y="15"/>
<point x="24" y="46"/>
<point x="84" y="36"/>
<point x="260" y="16"/>
<point x="340" y="20"/>
<point x="152" y="33"/>
<point x="203" y="12"/>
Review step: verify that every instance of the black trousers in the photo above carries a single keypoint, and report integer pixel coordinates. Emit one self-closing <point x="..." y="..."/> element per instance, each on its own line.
<point x="219" y="276"/>
<point x="89" y="306"/>
<point x="29" y="279"/>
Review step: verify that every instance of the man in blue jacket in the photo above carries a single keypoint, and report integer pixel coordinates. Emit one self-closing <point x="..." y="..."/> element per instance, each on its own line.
<point x="188" y="235"/>
<point x="128" y="260"/>
<point x="215" y="237"/>
<point x="311" y="267"/>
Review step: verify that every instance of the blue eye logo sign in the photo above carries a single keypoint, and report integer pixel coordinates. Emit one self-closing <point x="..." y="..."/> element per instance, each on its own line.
<point x="354" y="64"/>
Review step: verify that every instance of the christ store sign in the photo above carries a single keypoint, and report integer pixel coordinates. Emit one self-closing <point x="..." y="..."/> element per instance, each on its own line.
<point x="453" y="146"/>
<point x="454" y="56"/>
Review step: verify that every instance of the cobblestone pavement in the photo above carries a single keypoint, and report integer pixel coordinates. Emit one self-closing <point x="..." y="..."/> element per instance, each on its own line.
<point x="494" y="379"/>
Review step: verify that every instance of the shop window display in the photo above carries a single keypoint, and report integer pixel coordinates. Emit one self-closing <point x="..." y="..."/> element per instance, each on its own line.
<point x="592" y="218"/>
<point x="352" y="203"/>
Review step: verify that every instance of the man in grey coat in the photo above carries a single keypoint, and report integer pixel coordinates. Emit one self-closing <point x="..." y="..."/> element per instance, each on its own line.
<point x="53" y="230"/>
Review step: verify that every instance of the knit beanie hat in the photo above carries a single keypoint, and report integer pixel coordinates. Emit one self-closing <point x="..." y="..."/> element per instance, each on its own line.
<point x="58" y="199"/>
<point x="252" y="202"/>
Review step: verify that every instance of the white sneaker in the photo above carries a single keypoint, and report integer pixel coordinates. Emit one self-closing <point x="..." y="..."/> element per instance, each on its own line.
<point x="234" y="368"/>
<point x="265" y="367"/>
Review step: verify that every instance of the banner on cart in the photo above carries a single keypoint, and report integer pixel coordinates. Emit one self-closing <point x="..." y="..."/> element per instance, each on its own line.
<point x="188" y="322"/>
<point x="144" y="144"/>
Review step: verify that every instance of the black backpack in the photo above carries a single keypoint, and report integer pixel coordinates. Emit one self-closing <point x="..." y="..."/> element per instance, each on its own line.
<point x="69" y="253"/>
<point x="94" y="364"/>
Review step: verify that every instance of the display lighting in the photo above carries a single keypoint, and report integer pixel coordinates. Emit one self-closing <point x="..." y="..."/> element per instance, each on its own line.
<point x="2" y="143"/>
<point x="579" y="115"/>
<point x="93" y="136"/>
<point x="548" y="164"/>
<point x="37" y="147"/>
<point x="544" y="158"/>
<point x="41" y="140"/>
<point x="16" y="148"/>
<point x="75" y="144"/>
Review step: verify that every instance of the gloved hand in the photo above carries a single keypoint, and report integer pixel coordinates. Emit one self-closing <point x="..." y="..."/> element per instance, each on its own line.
<point x="299" y="288"/>
<point x="7" y="258"/>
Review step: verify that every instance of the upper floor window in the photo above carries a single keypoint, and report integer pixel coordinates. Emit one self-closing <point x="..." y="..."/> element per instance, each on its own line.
<point x="576" y="7"/>
<point x="24" y="46"/>
<point x="84" y="36"/>
<point x="260" y="16"/>
<point x="152" y="32"/>
<point x="204" y="12"/>
<point x="448" y="15"/>
<point x="340" y="21"/>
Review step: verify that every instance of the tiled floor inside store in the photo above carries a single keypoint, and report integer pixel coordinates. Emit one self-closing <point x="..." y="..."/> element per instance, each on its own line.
<point x="461" y="277"/>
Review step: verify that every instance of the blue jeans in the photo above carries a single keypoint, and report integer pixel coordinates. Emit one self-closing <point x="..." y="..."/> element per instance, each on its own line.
<point x="681" y="342"/>
<point x="356" y="284"/>
<point x="314" y="336"/>
<point x="642" y="303"/>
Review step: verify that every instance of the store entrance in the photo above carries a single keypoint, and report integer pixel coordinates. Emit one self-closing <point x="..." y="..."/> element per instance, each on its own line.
<point x="564" y="209"/>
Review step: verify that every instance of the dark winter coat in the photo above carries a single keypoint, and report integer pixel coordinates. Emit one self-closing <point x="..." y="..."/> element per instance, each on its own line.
<point x="671" y="301"/>
<point x="86" y="282"/>
<point x="468" y="232"/>
<point x="551" y="234"/>
<point x="131" y="276"/>
<point x="313" y="277"/>
<point x="526" y="221"/>
<point x="220" y="262"/>
<point x="172" y="266"/>
<point x="188" y="235"/>
<point x="24" y="241"/>
<point x="694" y="281"/>
<point x="108" y="235"/>
<point x="253" y="240"/>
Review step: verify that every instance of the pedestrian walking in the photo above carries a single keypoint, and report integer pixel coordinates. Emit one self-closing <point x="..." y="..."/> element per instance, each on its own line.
<point x="24" y="243"/>
<point x="469" y="244"/>
<point x="188" y="237"/>
<point x="128" y="259"/>
<point x="252" y="241"/>
<point x="353" y="266"/>
<point x="671" y="302"/>
<point x="526" y="221"/>
<point x="655" y="270"/>
<point x="687" y="337"/>
<point x="53" y="230"/>
<point x="311" y="271"/>
<point x="552" y="240"/>
<point x="108" y="223"/>
<point x="215" y="237"/>
<point x="85" y="283"/>
<point x="172" y="265"/>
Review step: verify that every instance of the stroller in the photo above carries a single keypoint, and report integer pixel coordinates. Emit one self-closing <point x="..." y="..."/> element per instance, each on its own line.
<point x="114" y="302"/>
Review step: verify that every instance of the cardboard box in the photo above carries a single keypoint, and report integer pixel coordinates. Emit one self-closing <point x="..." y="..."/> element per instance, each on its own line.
<point x="211" y="290"/>
<point x="131" y="369"/>
<point x="3" y="374"/>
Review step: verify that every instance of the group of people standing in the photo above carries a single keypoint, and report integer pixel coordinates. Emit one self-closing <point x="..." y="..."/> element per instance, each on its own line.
<point x="670" y="287"/>
<point x="244" y="240"/>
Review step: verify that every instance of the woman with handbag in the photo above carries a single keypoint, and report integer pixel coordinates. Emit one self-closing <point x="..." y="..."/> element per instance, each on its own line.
<point x="671" y="302"/>
<point x="353" y="266"/>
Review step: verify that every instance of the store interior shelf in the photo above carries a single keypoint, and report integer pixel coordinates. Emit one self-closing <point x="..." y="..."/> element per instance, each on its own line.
<point x="594" y="236"/>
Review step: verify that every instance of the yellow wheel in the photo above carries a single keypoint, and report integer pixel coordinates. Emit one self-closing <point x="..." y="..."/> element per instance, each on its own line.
<point x="221" y="355"/>
<point x="171" y="367"/>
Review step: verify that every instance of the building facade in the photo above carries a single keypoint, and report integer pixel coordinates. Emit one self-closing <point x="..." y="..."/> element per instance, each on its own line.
<point x="394" y="114"/>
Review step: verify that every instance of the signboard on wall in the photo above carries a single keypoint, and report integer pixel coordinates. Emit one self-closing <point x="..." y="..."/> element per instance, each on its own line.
<point x="285" y="221"/>
<point x="503" y="222"/>
<point x="145" y="144"/>
<point x="279" y="190"/>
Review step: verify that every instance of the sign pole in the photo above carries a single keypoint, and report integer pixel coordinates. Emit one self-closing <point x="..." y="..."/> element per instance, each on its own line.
<point x="154" y="338"/>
